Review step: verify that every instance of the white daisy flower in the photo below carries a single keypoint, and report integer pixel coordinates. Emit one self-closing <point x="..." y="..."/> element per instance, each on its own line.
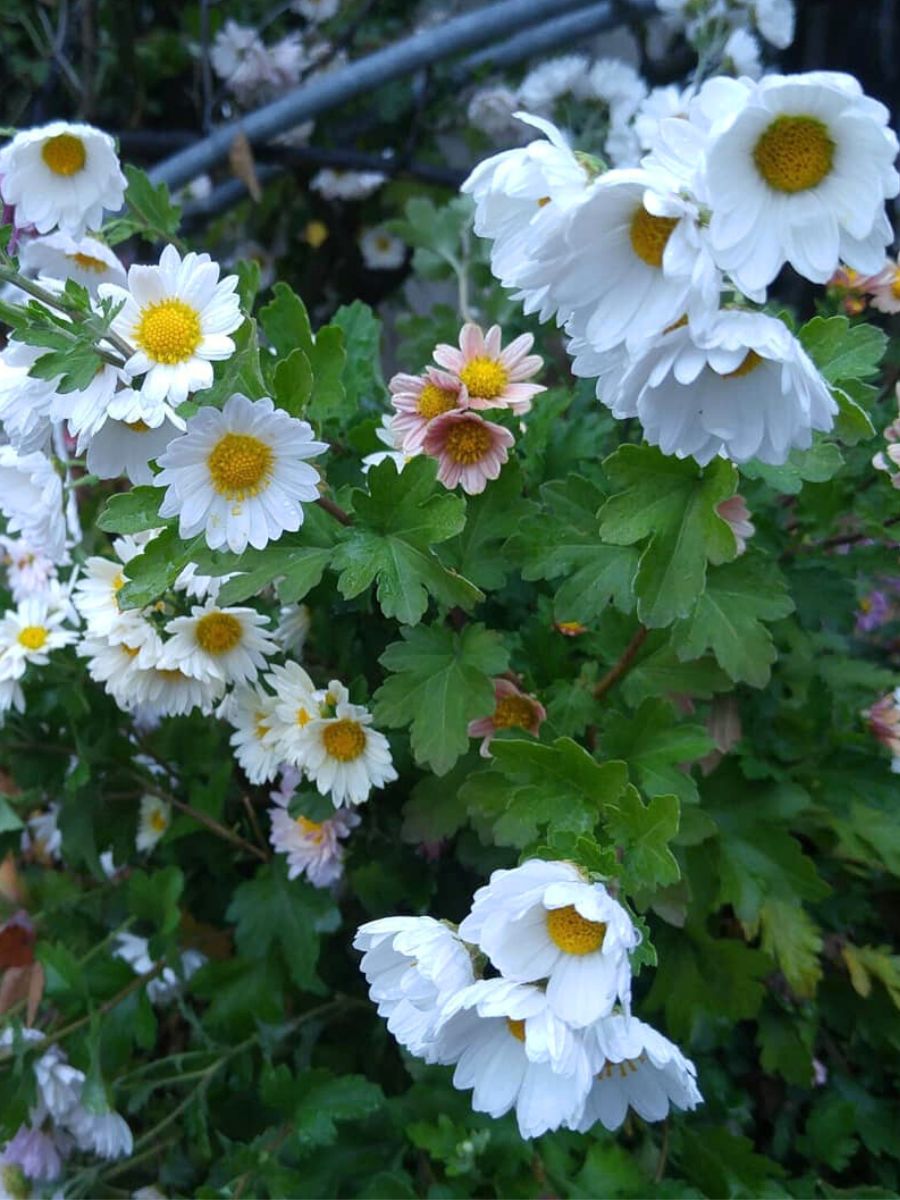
<point x="128" y="449"/>
<point x="344" y="756"/>
<point x="741" y="54"/>
<point x="634" y="1066"/>
<point x="219" y="643"/>
<point x="177" y="315"/>
<point x="169" y="692"/>
<point x="293" y="628"/>
<point x="87" y="411"/>
<point x="388" y="437"/>
<point x="154" y="819"/>
<point x="312" y="848"/>
<point x="60" y="256"/>
<point x="238" y="474"/>
<point x="135" y="951"/>
<point x="662" y="103"/>
<point x="252" y="713"/>
<point x="28" y="571"/>
<point x="11" y="696"/>
<point x="334" y="184"/>
<point x="95" y="594"/>
<point x="617" y="84"/>
<point x="61" y="174"/>
<point x="491" y="109"/>
<point x="381" y="250"/>
<point x="25" y="401"/>
<point x="413" y="966"/>
<point x="547" y="82"/>
<point x="742" y="387"/>
<point x="800" y="175"/>
<point x="59" y="1084"/>
<point x="199" y="587"/>
<point x="513" y="1051"/>
<point x="31" y="499"/>
<point x="28" y="634"/>
<point x="543" y="920"/>
<point x="42" y="834"/>
<point x="775" y="21"/>
<point x="134" y="407"/>
<point x="296" y="703"/>
<point x="115" y="665"/>
<point x="105" y="1134"/>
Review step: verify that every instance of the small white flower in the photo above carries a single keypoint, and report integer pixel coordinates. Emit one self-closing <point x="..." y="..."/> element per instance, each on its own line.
<point x="661" y="104"/>
<point x="491" y="110"/>
<point x="775" y="21"/>
<point x="742" y="54"/>
<point x="389" y="438"/>
<point x="25" y="401"/>
<point x="413" y="966"/>
<point x="346" y="185"/>
<point x="169" y="692"/>
<point x="28" y="634"/>
<point x="556" y="77"/>
<point x="344" y="756"/>
<point x="381" y="250"/>
<point x="199" y="587"/>
<point x="293" y="628"/>
<point x="312" y="848"/>
<point x="634" y="1065"/>
<point x="178" y="316"/>
<point x="39" y="1154"/>
<point x="154" y="819"/>
<point x="316" y="10"/>
<point x="617" y="84"/>
<point x="128" y="449"/>
<point x="219" y="643"/>
<point x="59" y="256"/>
<point x="514" y="1052"/>
<point x="42" y="834"/>
<point x="295" y="704"/>
<point x="61" y="174"/>
<point x="543" y="920"/>
<point x="31" y="500"/>
<point x="136" y="952"/>
<point x="28" y="571"/>
<point x="104" y="1134"/>
<point x="238" y="474"/>
<point x="252" y="713"/>
<point x="135" y="408"/>
<point x="59" y="1084"/>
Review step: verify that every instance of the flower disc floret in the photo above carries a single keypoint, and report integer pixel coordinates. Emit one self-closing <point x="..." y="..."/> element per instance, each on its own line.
<point x="484" y="377"/>
<point x="344" y="740"/>
<point x="794" y="154"/>
<point x="572" y="932"/>
<point x="514" y="712"/>
<point x="218" y="632"/>
<point x="434" y="400"/>
<point x="64" y="154"/>
<point x="650" y="235"/>
<point x="240" y="465"/>
<point x="168" y="332"/>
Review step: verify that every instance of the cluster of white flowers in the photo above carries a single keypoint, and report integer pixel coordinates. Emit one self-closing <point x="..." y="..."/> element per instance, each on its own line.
<point x="550" y="1035"/>
<point x="702" y="20"/>
<point x="62" y="1119"/>
<point x="636" y="263"/>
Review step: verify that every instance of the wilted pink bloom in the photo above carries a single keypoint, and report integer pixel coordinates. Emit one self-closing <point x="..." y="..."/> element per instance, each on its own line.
<point x="849" y="288"/>
<point x="37" y="1153"/>
<point x="513" y="709"/>
<point x="312" y="848"/>
<point x="494" y="378"/>
<point x="469" y="450"/>
<point x="884" y="288"/>
<point x="419" y="400"/>
<point x="884" y="723"/>
<point x="734" y="510"/>
<point x="873" y="611"/>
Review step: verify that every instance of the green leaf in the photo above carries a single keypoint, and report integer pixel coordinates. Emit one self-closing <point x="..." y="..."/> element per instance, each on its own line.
<point x="435" y="809"/>
<point x="841" y="350"/>
<point x="794" y="940"/>
<point x="132" y="512"/>
<point x="156" y="568"/>
<point x="491" y="517"/>
<point x="293" y="383"/>
<point x="315" y="1100"/>
<point x="816" y="465"/>
<point x="272" y="910"/>
<point x="867" y="962"/>
<point x="327" y="358"/>
<point x="722" y="1163"/>
<point x="533" y="790"/>
<point x="286" y="323"/>
<point x="240" y="372"/>
<point x="363" y="380"/>
<point x="728" y="618"/>
<point x="395" y="526"/>
<point x="440" y="681"/>
<point x="655" y="745"/>
<point x="642" y="833"/>
<point x="154" y="897"/>
<point x="672" y="502"/>
<point x="9" y="820"/>
<point x="563" y="538"/>
<point x="660" y="672"/>
<point x="853" y="423"/>
<point x="150" y="211"/>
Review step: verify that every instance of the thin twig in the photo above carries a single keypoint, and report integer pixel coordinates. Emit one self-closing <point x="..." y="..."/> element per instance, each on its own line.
<point x="211" y="823"/>
<point x="623" y="666"/>
<point x="258" y="833"/>
<point x="335" y="510"/>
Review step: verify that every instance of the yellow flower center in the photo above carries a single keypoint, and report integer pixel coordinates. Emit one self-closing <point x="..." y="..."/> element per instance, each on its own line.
<point x="485" y="378"/>
<point x="543" y="202"/>
<point x="137" y="426"/>
<point x="794" y="154"/>
<point x="32" y="637"/>
<point x="171" y="674"/>
<point x="311" y="829"/>
<point x="64" y="154"/>
<point x="895" y="285"/>
<point x="315" y="233"/>
<point x="468" y="442"/>
<point x="159" y="822"/>
<point x="131" y="651"/>
<point x="434" y="400"/>
<point x="573" y="933"/>
<point x="344" y="740"/>
<point x="383" y="242"/>
<point x="513" y="711"/>
<point x="516" y="1028"/>
<point x="750" y="362"/>
<point x="650" y="235"/>
<point x="218" y="632"/>
<point x="260" y="728"/>
<point x="303" y="717"/>
<point x="88" y="262"/>
<point x="240" y="465"/>
<point x="118" y="583"/>
<point x="168" y="331"/>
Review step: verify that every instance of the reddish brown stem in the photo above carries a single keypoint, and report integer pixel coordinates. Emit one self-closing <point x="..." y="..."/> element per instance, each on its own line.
<point x="623" y="666"/>
<point x="335" y="509"/>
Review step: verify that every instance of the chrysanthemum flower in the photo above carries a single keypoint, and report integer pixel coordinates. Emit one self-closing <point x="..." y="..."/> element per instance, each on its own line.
<point x="346" y="185"/>
<point x="39" y="1153"/>
<point x="493" y="377"/>
<point x="106" y="1134"/>
<point x="251" y="713"/>
<point x="634" y="1066"/>
<point x="344" y="756"/>
<point x="381" y="250"/>
<point x="543" y="920"/>
<point x="412" y="965"/>
<point x="800" y="175"/>
<point x="312" y="848"/>
<point x="883" y="287"/>
<point x="177" y="315"/>
<point x="28" y="571"/>
<point x="42" y="834"/>
<point x="31" y="500"/>
<point x="135" y="951"/>
<point x="469" y="450"/>
<point x="25" y="401"/>
<point x="28" y="634"/>
<point x="742" y="387"/>
<point x="238" y="474"/>
<point x="219" y="643"/>
<point x="296" y="703"/>
<point x="61" y="174"/>
<point x="513" y="1051"/>
<point x="513" y="709"/>
<point x="154" y="819"/>
<point x="884" y="724"/>
<point x="293" y="628"/>
<point x="59" y="256"/>
<point x="734" y="510"/>
<point x="420" y="399"/>
<point x="169" y="692"/>
<point x="122" y="448"/>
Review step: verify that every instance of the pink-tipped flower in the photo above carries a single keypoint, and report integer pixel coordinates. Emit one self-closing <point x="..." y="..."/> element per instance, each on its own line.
<point x="884" y="288"/>
<point x="513" y="709"/>
<point x="495" y="378"/>
<point x="420" y="399"/>
<point x="312" y="848"/>
<point x="884" y="723"/>
<point x="849" y="288"/>
<point x="734" y="510"/>
<point x="469" y="450"/>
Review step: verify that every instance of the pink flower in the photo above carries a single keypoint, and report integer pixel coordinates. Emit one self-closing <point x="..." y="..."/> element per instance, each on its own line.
<point x="469" y="449"/>
<point x="884" y="723"/>
<point x="513" y="709"/>
<point x="884" y="288"/>
<point x="39" y="1154"/>
<point x="419" y="400"/>
<point x="312" y="848"/>
<point x="494" y="378"/>
<point x="734" y="510"/>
